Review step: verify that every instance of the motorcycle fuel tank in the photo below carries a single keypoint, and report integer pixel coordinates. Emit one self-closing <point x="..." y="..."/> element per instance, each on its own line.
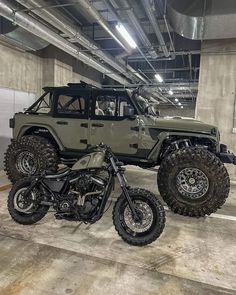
<point x="90" y="161"/>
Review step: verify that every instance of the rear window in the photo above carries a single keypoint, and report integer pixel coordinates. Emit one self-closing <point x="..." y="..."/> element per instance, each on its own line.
<point x="71" y="105"/>
<point x="43" y="105"/>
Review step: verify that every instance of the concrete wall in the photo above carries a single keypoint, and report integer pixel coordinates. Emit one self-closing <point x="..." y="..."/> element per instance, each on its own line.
<point x="57" y="73"/>
<point x="20" y="70"/>
<point x="29" y="72"/>
<point x="216" y="93"/>
<point x="11" y="101"/>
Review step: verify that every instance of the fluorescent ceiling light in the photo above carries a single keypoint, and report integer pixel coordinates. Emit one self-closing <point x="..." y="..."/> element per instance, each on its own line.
<point x="125" y="34"/>
<point x="159" y="78"/>
<point x="179" y="103"/>
<point x="176" y="99"/>
<point x="170" y="92"/>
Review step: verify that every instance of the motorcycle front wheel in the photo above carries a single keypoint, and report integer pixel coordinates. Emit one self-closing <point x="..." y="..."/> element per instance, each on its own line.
<point x="25" y="209"/>
<point x="151" y="215"/>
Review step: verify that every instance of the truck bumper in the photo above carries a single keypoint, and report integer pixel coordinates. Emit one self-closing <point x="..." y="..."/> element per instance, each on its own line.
<point x="225" y="155"/>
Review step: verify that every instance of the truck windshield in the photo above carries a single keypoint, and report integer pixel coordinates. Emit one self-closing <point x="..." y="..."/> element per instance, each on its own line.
<point x="145" y="107"/>
<point x="42" y="105"/>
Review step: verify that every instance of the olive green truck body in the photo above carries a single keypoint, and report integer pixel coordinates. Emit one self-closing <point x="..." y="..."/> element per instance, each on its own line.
<point x="75" y="117"/>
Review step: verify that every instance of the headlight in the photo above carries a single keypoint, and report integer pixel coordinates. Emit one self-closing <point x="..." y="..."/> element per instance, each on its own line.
<point x="214" y="131"/>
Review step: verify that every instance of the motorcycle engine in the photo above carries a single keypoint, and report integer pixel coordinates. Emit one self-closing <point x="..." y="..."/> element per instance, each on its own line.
<point x="83" y="198"/>
<point x="90" y="188"/>
<point x="84" y="184"/>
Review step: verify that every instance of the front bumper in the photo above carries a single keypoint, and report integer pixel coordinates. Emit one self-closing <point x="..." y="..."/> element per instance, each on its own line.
<point x="226" y="156"/>
<point x="229" y="158"/>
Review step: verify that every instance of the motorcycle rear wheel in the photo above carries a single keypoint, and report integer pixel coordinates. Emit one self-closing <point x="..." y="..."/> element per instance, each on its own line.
<point x="22" y="210"/>
<point x="150" y="211"/>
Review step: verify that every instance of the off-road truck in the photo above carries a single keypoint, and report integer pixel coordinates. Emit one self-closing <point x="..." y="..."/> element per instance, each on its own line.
<point x="65" y="121"/>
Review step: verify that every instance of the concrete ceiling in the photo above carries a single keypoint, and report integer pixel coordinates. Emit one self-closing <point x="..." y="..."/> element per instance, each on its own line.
<point x="178" y="64"/>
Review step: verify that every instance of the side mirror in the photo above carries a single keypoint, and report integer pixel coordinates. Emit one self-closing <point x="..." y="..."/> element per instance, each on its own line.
<point x="128" y="111"/>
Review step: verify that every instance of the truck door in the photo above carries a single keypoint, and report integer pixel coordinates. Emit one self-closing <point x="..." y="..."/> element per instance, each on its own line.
<point x="114" y="122"/>
<point x="71" y="117"/>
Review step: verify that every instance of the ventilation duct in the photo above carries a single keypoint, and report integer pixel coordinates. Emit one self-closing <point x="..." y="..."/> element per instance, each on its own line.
<point x="202" y="19"/>
<point x="20" y="37"/>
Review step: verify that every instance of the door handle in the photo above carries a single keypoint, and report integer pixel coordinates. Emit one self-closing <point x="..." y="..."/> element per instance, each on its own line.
<point x="97" y="125"/>
<point x="62" y="123"/>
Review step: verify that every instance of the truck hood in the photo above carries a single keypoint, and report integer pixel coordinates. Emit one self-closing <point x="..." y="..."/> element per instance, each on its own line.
<point x="178" y="124"/>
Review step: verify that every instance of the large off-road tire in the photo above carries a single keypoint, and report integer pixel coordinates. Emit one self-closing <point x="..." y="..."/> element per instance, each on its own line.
<point x="30" y="212"/>
<point x="153" y="218"/>
<point x="29" y="156"/>
<point x="193" y="182"/>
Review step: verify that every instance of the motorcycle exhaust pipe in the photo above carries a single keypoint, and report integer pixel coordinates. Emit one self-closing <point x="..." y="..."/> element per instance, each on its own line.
<point x="97" y="181"/>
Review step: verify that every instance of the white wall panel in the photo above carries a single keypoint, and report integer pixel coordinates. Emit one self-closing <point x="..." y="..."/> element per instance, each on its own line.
<point x="11" y="101"/>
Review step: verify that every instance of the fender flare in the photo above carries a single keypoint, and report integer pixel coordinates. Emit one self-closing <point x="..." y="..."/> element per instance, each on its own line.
<point x="26" y="127"/>
<point x="155" y="152"/>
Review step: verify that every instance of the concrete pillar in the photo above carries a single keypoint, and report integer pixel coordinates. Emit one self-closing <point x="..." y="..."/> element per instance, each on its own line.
<point x="58" y="73"/>
<point x="216" y="91"/>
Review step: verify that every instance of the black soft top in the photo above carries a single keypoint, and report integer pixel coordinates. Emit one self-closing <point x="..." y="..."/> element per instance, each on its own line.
<point x="81" y="85"/>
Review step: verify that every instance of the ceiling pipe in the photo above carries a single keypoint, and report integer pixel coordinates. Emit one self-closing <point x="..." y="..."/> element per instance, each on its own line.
<point x="137" y="58"/>
<point x="40" y="30"/>
<point x="91" y="10"/>
<point x="100" y="20"/>
<point x="58" y="20"/>
<point x="148" y="9"/>
<point x="137" y="74"/>
<point x="136" y="26"/>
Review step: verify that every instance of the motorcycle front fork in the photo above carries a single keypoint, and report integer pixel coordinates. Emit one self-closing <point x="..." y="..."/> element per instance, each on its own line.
<point x="124" y="186"/>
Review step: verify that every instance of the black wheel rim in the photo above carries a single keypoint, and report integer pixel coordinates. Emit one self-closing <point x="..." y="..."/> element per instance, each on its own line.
<point x="22" y="203"/>
<point x="26" y="163"/>
<point x="145" y="225"/>
<point x="192" y="183"/>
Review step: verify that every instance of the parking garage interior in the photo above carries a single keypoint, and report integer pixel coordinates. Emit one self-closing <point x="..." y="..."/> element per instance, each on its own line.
<point x="181" y="56"/>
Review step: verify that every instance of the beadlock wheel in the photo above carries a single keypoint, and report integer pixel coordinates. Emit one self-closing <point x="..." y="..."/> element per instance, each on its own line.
<point x="30" y="155"/>
<point x="26" y="163"/>
<point x="192" y="183"/>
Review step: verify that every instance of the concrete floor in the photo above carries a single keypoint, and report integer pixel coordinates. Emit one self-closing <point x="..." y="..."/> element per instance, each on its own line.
<point x="192" y="256"/>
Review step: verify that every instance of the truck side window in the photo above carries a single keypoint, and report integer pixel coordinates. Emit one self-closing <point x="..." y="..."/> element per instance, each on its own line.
<point x="124" y="107"/>
<point x="105" y="106"/>
<point x="71" y="105"/>
<point x="112" y="106"/>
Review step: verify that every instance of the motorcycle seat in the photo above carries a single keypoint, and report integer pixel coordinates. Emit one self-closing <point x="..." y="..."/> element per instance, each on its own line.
<point x="59" y="174"/>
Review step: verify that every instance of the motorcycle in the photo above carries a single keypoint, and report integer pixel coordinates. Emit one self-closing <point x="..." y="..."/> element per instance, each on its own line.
<point x="81" y="193"/>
